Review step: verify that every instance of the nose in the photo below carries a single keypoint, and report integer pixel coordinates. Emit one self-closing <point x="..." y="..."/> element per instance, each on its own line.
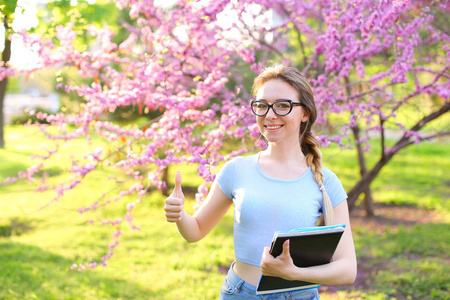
<point x="271" y="113"/>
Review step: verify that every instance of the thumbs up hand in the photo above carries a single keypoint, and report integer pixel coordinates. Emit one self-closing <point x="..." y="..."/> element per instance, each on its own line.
<point x="175" y="202"/>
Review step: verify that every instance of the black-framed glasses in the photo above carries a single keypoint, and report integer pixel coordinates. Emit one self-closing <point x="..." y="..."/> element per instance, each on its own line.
<point x="280" y="107"/>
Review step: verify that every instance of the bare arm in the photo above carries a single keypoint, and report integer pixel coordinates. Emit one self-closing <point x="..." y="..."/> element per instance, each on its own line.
<point x="194" y="227"/>
<point x="342" y="270"/>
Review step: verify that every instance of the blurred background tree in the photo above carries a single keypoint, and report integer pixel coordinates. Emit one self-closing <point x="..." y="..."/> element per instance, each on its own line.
<point x="6" y="14"/>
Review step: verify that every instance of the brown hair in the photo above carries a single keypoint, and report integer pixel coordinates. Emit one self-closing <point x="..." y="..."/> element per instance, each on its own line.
<point x="308" y="143"/>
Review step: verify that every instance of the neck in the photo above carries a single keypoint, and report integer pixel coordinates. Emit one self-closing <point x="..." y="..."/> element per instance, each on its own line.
<point x="285" y="153"/>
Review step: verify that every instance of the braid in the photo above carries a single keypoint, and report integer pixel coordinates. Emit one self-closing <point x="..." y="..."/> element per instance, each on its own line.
<point x="310" y="147"/>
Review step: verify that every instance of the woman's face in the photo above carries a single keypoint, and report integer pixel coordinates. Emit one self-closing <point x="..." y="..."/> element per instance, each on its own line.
<point x="277" y="128"/>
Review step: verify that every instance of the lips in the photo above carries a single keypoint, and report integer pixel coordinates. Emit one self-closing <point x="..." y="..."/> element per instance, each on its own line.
<point x="273" y="127"/>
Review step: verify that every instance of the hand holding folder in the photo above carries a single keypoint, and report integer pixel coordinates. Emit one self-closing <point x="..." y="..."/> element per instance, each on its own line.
<point x="309" y="246"/>
<point x="277" y="266"/>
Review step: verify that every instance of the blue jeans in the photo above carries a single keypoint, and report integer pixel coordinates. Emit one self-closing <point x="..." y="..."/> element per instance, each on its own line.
<point x="234" y="288"/>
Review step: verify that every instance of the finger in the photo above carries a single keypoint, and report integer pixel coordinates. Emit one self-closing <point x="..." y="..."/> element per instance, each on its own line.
<point x="173" y="208"/>
<point x="265" y="260"/>
<point x="266" y="254"/>
<point x="177" y="191"/>
<point x="173" y="216"/>
<point x="173" y="201"/>
<point x="173" y="219"/>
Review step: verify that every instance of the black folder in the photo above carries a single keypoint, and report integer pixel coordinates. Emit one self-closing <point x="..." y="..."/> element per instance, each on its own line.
<point x="310" y="246"/>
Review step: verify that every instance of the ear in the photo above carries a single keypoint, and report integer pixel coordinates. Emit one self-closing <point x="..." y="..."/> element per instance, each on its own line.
<point x="306" y="116"/>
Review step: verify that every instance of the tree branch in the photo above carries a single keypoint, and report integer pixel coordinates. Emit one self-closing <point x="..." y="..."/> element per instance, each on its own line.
<point x="418" y="91"/>
<point x="302" y="47"/>
<point x="444" y="109"/>
<point x="404" y="141"/>
<point x="299" y="37"/>
<point x="263" y="42"/>
<point x="154" y="120"/>
<point x="427" y="138"/>
<point x="260" y="41"/>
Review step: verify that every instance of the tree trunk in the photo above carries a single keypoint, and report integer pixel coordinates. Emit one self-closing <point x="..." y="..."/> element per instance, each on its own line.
<point x="366" y="180"/>
<point x="6" y="55"/>
<point x="368" y="203"/>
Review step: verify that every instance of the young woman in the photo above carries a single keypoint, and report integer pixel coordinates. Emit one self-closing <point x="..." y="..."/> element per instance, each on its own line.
<point x="281" y="188"/>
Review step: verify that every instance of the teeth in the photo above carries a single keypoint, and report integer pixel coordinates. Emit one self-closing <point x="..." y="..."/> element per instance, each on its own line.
<point x="273" y="127"/>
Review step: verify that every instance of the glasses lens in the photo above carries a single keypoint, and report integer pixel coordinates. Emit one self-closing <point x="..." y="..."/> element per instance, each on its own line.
<point x="259" y="108"/>
<point x="282" y="107"/>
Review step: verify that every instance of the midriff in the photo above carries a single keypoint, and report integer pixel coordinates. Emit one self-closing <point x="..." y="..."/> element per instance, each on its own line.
<point x="249" y="273"/>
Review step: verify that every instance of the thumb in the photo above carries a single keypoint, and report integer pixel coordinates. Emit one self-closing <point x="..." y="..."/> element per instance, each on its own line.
<point x="286" y="245"/>
<point x="177" y="191"/>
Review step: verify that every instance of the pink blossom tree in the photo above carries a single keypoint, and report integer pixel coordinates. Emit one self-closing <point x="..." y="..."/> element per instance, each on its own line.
<point x="366" y="60"/>
<point x="370" y="60"/>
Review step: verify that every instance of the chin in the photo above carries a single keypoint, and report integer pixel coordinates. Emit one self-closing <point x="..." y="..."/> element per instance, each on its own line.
<point x="273" y="140"/>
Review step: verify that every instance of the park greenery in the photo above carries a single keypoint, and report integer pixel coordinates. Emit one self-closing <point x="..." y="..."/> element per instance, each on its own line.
<point x="38" y="246"/>
<point x="152" y="89"/>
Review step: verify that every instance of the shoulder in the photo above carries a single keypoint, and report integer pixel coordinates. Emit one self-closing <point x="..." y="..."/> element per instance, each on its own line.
<point x="334" y="187"/>
<point x="242" y="160"/>
<point x="238" y="162"/>
<point x="330" y="178"/>
<point x="231" y="172"/>
<point x="327" y="173"/>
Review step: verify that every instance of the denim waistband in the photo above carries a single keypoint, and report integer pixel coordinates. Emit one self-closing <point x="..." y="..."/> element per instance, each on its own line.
<point x="241" y="286"/>
<point x="238" y="282"/>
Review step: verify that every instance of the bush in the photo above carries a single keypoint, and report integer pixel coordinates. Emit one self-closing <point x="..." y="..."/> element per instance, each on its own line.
<point x="25" y="117"/>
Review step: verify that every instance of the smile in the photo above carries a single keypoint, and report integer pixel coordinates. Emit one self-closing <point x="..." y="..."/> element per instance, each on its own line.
<point x="273" y="127"/>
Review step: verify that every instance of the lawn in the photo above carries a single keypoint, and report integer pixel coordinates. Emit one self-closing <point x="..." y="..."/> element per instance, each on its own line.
<point x="402" y="253"/>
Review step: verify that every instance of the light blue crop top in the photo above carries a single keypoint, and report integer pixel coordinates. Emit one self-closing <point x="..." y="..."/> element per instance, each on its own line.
<point x="263" y="205"/>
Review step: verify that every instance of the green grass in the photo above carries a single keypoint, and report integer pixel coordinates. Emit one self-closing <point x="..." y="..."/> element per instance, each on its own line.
<point x="407" y="263"/>
<point x="38" y="246"/>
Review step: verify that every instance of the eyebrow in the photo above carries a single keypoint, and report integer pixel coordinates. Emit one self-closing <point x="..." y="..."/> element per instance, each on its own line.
<point x="275" y="100"/>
